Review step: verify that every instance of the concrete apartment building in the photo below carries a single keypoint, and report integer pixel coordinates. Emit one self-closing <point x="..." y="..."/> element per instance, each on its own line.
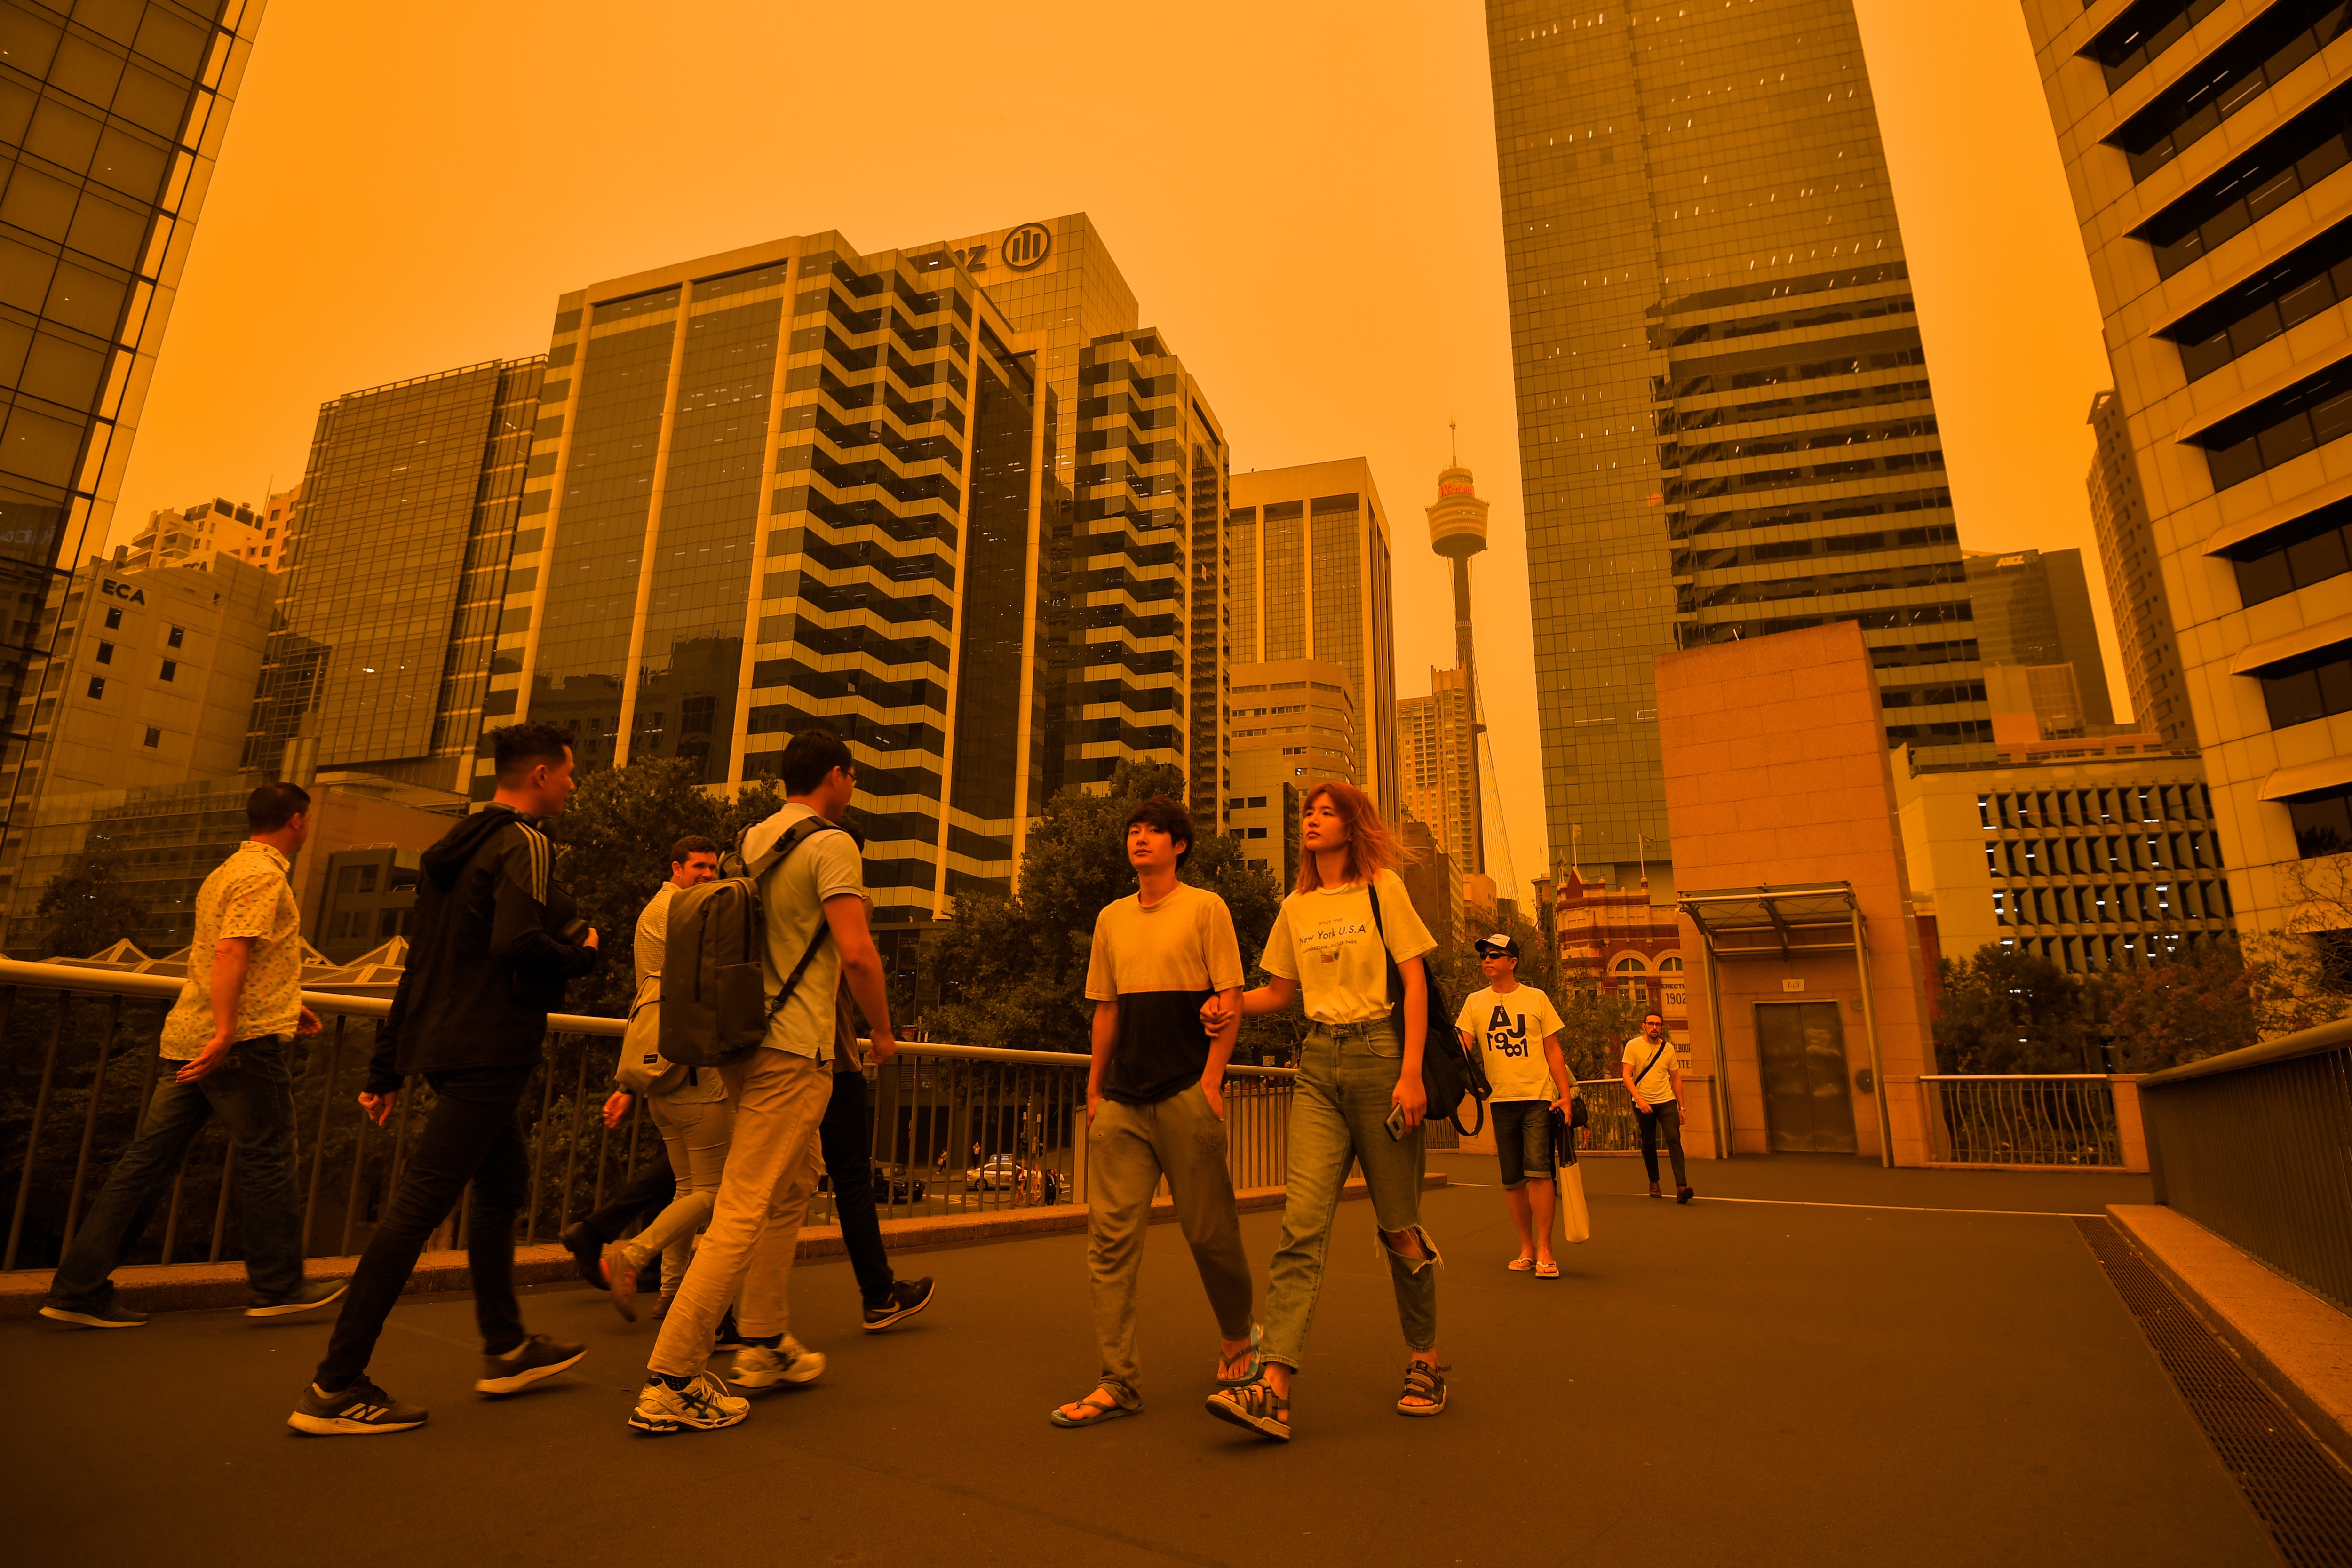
<point x="113" y="116"/>
<point x="2126" y="540"/>
<point x="1308" y="552"/>
<point x="1725" y="425"/>
<point x="2206" y="148"/>
<point x="393" y="578"/>
<point x="194" y="534"/>
<point x="2095" y="863"/>
<point x="148" y="681"/>
<point x="1291" y="724"/>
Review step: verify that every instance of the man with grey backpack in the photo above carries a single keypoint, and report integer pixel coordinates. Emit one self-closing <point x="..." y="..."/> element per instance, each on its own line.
<point x="751" y="973"/>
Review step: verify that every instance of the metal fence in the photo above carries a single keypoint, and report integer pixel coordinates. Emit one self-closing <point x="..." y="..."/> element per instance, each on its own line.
<point x="2256" y="1146"/>
<point x="2023" y="1119"/>
<point x="956" y="1129"/>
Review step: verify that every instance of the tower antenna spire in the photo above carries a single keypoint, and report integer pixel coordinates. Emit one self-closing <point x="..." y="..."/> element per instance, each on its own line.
<point x="1454" y="439"/>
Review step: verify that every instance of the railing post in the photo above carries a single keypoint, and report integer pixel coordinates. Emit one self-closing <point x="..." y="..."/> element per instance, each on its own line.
<point x="539" y="1136"/>
<point x="33" y="1136"/>
<point x="90" y="1119"/>
<point x="319" y="1138"/>
<point x="220" y="1209"/>
<point x="571" y="1152"/>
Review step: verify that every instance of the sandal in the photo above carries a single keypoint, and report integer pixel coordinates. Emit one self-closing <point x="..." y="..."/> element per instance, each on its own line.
<point x="1422" y="1381"/>
<point x="1547" y="1270"/>
<point x="1255" y="1405"/>
<point x="1256" y="1364"/>
<point x="1111" y="1412"/>
<point x="1520" y="1265"/>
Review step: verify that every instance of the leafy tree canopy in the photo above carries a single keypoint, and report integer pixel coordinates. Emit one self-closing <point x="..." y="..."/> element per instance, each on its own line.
<point x="2005" y="1010"/>
<point x="89" y="906"/>
<point x="1010" y="972"/>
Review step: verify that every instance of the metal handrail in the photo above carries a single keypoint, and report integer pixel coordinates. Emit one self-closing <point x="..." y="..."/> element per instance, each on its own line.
<point x="2310" y="1042"/>
<point x="930" y="1098"/>
<point x="2056" y="1118"/>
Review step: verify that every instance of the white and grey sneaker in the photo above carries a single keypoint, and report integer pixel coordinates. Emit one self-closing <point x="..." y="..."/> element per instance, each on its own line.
<point x="757" y="1366"/>
<point x="702" y="1405"/>
<point x="310" y="1293"/>
<point x="360" y="1411"/>
<point x="110" y="1316"/>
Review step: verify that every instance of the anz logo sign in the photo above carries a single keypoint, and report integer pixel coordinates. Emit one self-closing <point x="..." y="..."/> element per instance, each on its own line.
<point x="1021" y="249"/>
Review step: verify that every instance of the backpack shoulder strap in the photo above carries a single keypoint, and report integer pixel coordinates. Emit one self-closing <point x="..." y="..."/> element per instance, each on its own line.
<point x="799" y="833"/>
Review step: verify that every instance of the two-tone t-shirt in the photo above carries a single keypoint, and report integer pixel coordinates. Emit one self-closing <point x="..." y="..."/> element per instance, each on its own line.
<point x="1160" y="962"/>
<point x="1510" y="1027"/>
<point x="1326" y="941"/>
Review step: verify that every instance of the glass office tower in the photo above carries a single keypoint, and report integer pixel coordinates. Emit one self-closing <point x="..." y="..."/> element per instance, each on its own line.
<point x="379" y="654"/>
<point x="1134" y="516"/>
<point x="789" y="487"/>
<point x="1725" y="428"/>
<point x="111" y="116"/>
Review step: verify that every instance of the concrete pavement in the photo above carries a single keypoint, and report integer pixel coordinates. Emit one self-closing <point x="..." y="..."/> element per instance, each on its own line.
<point x="1765" y="1381"/>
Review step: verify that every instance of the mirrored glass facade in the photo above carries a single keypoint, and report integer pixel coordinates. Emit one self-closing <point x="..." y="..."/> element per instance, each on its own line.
<point x="110" y="116"/>
<point x="1726" y="427"/>
<point x="379" y="657"/>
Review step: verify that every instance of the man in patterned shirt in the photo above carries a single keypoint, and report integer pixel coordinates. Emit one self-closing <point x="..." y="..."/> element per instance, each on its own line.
<point x="230" y="1030"/>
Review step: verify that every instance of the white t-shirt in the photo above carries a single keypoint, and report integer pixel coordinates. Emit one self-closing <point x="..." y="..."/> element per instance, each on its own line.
<point x="793" y="895"/>
<point x="1510" y="1027"/>
<point x="1657" y="1085"/>
<point x="1327" y="941"/>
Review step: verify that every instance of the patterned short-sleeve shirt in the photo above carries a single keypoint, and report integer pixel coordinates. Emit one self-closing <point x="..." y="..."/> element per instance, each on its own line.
<point x="247" y="895"/>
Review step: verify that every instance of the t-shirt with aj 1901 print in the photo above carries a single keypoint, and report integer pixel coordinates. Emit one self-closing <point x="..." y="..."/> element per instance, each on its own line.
<point x="1509" y="1027"/>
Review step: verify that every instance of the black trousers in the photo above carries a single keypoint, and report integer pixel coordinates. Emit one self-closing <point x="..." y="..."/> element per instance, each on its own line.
<point x="472" y="1135"/>
<point x="647" y="1193"/>
<point x="846" y="1138"/>
<point x="1666" y="1119"/>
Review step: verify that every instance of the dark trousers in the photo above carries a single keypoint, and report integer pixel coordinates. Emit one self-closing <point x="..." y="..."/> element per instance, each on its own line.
<point x="647" y="1193"/>
<point x="473" y="1134"/>
<point x="1666" y="1119"/>
<point x="252" y="1095"/>
<point x="847" y="1137"/>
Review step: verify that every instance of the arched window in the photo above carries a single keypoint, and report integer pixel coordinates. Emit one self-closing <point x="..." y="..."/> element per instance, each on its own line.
<point x="1629" y="965"/>
<point x="1670" y="965"/>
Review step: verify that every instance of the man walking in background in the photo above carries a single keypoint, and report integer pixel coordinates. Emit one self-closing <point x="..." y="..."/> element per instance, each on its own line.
<point x="1653" y="1076"/>
<point x="812" y="889"/>
<point x="228" y="1034"/>
<point x="1516" y="1032"/>
<point x="497" y="940"/>
<point x="1156" y="1107"/>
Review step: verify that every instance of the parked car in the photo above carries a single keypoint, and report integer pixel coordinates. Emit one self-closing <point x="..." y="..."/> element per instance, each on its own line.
<point x="896" y="1184"/>
<point x="995" y="1172"/>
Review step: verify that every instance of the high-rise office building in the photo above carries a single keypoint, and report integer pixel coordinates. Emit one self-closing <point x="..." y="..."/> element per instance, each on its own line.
<point x="793" y="486"/>
<point x="2143" y="635"/>
<point x="1437" y="777"/>
<point x="1726" y="427"/>
<point x="1308" y="559"/>
<point x="1294" y="723"/>
<point x="1131" y="520"/>
<point x="2207" y="150"/>
<point x="2033" y="608"/>
<point x="111" y="116"/>
<point x="381" y="653"/>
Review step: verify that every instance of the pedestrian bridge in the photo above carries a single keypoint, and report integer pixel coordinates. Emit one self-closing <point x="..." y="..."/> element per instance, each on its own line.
<point x="1819" y="1361"/>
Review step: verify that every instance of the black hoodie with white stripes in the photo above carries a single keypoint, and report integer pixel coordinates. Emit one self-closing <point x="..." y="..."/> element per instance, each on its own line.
<point x="488" y="957"/>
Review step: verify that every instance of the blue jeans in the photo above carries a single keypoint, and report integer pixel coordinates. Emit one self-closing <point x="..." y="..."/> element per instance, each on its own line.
<point x="252" y="1095"/>
<point x="1339" y="1115"/>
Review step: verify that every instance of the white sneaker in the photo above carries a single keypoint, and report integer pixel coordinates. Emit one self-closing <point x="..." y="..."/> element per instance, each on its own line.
<point x="702" y="1405"/>
<point x="756" y="1366"/>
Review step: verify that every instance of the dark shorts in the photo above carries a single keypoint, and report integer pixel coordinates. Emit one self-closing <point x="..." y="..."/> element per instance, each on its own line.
<point x="1522" y="1139"/>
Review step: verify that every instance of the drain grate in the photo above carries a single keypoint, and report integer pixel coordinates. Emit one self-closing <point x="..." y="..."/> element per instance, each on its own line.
<point x="2302" y="1497"/>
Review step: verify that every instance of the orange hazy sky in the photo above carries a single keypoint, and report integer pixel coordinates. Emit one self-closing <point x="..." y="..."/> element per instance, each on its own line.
<point x="1303" y="197"/>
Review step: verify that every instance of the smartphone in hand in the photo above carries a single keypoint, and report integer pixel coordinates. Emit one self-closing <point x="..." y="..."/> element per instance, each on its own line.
<point x="1396" y="1122"/>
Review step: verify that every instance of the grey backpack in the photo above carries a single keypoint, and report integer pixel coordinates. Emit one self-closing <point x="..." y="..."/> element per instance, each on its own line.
<point x="714" y="1003"/>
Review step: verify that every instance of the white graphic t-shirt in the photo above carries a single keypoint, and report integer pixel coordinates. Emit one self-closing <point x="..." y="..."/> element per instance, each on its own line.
<point x="1327" y="941"/>
<point x="1509" y="1028"/>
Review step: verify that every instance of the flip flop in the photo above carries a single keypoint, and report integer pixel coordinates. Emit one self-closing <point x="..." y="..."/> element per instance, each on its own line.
<point x="1547" y="1270"/>
<point x="1256" y="1363"/>
<point x="1520" y="1265"/>
<point x="1109" y="1413"/>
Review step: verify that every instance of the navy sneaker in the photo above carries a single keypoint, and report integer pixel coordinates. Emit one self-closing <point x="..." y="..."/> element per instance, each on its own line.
<point x="110" y="1316"/>
<point x="536" y="1358"/>
<point x="906" y="1298"/>
<point x="310" y="1293"/>
<point x="360" y="1411"/>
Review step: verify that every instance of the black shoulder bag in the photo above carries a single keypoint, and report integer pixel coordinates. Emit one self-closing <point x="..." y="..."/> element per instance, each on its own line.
<point x="1448" y="1073"/>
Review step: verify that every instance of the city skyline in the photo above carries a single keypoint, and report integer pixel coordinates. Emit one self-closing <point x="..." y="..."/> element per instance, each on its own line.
<point x="1393" y="178"/>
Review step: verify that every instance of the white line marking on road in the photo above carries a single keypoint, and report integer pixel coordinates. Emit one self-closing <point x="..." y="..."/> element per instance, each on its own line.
<point x="1899" y="1208"/>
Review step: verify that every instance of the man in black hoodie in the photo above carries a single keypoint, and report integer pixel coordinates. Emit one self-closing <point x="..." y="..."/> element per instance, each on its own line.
<point x="497" y="939"/>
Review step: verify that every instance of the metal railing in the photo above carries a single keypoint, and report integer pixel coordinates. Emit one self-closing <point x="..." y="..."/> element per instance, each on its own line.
<point x="2256" y="1146"/>
<point x="2021" y="1119"/>
<point x="78" y="1063"/>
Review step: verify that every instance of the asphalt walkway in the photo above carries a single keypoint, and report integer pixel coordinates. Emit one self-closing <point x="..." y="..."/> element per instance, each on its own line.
<point x="1839" y="1370"/>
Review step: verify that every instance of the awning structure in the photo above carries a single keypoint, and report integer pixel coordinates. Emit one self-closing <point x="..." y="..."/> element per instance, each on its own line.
<point x="1776" y="923"/>
<point x="1805" y="919"/>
